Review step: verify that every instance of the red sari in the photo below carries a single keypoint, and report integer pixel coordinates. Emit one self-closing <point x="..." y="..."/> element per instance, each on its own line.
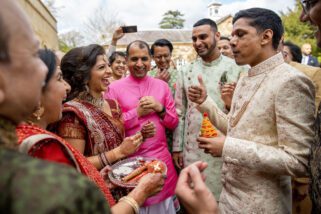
<point x="102" y="133"/>
<point x="43" y="144"/>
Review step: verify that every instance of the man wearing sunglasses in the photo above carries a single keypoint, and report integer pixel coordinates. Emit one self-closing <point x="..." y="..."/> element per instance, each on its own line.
<point x="312" y="13"/>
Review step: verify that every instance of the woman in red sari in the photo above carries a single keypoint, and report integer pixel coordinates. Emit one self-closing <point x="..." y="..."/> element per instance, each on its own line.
<point x="92" y="124"/>
<point x="34" y="140"/>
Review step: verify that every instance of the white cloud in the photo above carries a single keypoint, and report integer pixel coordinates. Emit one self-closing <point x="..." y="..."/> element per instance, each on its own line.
<point x="146" y="14"/>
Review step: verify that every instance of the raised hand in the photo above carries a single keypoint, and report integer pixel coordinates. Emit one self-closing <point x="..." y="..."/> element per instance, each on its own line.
<point x="149" y="102"/>
<point x="227" y="91"/>
<point x="148" y="130"/>
<point x="163" y="74"/>
<point x="118" y="34"/>
<point x="130" y="144"/>
<point x="193" y="192"/>
<point x="143" y="111"/>
<point x="197" y="93"/>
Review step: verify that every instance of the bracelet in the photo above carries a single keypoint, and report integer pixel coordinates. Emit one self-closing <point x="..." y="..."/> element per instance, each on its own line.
<point x="104" y="158"/>
<point x="129" y="200"/>
<point x="100" y="161"/>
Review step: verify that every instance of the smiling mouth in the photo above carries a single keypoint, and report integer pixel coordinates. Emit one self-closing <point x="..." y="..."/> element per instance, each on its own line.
<point x="106" y="82"/>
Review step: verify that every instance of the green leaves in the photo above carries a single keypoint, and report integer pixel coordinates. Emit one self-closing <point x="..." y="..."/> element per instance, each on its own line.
<point x="297" y="31"/>
<point x="172" y="20"/>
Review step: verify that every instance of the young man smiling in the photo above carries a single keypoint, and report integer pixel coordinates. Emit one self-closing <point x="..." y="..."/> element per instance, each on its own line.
<point x="269" y="129"/>
<point x="145" y="99"/>
<point x="212" y="65"/>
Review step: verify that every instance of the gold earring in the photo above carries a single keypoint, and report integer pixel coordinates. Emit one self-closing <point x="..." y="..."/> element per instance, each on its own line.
<point x="39" y="112"/>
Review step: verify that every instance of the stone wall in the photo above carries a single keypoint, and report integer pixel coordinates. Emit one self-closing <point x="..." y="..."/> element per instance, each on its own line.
<point x="42" y="21"/>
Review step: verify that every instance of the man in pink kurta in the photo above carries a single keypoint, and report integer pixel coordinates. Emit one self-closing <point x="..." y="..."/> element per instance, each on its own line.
<point x="143" y="98"/>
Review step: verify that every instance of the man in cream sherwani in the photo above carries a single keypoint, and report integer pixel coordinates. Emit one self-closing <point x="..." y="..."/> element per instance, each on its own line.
<point x="269" y="130"/>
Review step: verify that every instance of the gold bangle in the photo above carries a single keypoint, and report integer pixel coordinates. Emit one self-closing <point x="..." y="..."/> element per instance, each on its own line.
<point x="100" y="161"/>
<point x="129" y="200"/>
<point x="104" y="159"/>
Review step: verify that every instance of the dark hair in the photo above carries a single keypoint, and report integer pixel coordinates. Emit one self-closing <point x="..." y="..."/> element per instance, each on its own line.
<point x="209" y="22"/>
<point x="263" y="19"/>
<point x="4" y="42"/>
<point x="161" y="43"/>
<point x="295" y="51"/>
<point x="141" y="44"/>
<point x="50" y="60"/>
<point x="76" y="66"/>
<point x="225" y="38"/>
<point x="114" y="55"/>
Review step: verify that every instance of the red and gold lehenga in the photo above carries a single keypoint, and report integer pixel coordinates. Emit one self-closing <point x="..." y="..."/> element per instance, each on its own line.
<point x="43" y="144"/>
<point x="83" y="120"/>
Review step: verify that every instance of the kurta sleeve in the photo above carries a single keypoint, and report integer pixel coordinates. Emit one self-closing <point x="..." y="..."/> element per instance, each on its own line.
<point x="217" y="117"/>
<point x="170" y="119"/>
<point x="111" y="50"/>
<point x="294" y="109"/>
<point x="131" y="119"/>
<point x="181" y="105"/>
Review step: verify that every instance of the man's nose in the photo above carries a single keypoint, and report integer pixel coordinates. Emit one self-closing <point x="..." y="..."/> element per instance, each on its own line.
<point x="198" y="42"/>
<point x="233" y="41"/>
<point x="139" y="63"/>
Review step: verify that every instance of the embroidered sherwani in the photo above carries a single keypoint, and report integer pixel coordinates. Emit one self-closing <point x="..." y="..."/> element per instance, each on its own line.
<point x="269" y="133"/>
<point x="190" y="119"/>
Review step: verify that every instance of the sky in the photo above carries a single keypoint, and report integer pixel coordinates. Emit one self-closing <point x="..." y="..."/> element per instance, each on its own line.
<point x="146" y="14"/>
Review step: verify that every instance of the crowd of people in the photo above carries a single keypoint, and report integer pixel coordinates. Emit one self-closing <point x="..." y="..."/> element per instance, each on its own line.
<point x="65" y="122"/>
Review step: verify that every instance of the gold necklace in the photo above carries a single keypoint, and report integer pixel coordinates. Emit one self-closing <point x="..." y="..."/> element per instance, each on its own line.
<point x="86" y="96"/>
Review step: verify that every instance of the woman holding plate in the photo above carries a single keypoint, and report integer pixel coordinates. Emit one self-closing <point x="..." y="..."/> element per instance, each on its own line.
<point x="92" y="124"/>
<point x="36" y="141"/>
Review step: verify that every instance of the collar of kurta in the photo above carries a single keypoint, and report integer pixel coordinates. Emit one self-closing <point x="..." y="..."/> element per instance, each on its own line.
<point x="214" y="62"/>
<point x="267" y="65"/>
<point x="138" y="80"/>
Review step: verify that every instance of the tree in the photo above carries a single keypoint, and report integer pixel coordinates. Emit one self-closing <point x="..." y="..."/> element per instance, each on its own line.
<point x="100" y="27"/>
<point x="172" y="20"/>
<point x="296" y="31"/>
<point x="70" y="40"/>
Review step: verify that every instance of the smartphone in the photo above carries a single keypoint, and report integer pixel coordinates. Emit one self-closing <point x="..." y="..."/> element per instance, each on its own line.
<point x="223" y="78"/>
<point x="129" y="29"/>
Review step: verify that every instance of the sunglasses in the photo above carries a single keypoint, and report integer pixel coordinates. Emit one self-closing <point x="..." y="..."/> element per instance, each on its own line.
<point x="307" y="5"/>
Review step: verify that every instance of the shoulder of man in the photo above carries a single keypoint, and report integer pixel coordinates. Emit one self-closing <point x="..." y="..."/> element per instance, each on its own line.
<point x="27" y="183"/>
<point x="287" y="73"/>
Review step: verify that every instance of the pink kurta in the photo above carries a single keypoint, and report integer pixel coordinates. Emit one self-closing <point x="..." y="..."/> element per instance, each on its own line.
<point x="128" y="92"/>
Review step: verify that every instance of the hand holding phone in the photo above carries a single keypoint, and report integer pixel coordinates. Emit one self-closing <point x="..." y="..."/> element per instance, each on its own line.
<point x="129" y="29"/>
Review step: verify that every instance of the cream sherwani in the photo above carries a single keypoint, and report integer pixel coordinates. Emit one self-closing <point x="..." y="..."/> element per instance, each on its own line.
<point x="269" y="133"/>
